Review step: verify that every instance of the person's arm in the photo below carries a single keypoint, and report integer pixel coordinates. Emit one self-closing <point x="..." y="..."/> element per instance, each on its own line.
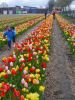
<point x="5" y="34"/>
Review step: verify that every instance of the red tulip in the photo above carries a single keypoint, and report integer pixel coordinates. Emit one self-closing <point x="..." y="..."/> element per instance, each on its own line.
<point x="6" y="76"/>
<point x="2" y="94"/>
<point x="22" y="97"/>
<point x="13" y="71"/>
<point x="11" y="59"/>
<point x="16" y="93"/>
<point x="23" y="61"/>
<point x="29" y="59"/>
<point x="6" y="87"/>
<point x="1" y="69"/>
<point x="20" y="69"/>
<point x="4" y="60"/>
<point x="32" y="70"/>
<point x="44" y="65"/>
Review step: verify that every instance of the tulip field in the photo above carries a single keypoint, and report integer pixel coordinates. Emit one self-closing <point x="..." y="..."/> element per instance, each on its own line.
<point x="21" y="24"/>
<point x="42" y="65"/>
<point x="68" y="31"/>
<point x="23" y="73"/>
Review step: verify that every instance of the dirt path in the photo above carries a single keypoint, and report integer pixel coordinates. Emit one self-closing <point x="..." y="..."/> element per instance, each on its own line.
<point x="5" y="52"/>
<point x="59" y="80"/>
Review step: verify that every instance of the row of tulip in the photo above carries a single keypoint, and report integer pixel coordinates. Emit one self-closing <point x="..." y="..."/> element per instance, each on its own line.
<point x="68" y="32"/>
<point x="23" y="73"/>
<point x="9" y="18"/>
<point x="20" y="29"/>
<point x="17" y="20"/>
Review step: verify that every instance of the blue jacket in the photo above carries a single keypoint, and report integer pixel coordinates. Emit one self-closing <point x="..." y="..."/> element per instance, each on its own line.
<point x="14" y="32"/>
<point x="9" y="34"/>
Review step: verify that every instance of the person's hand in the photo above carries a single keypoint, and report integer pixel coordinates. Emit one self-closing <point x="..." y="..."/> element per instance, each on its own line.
<point x="4" y="37"/>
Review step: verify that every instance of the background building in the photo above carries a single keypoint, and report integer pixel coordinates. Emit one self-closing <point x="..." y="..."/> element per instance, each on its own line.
<point x="8" y="10"/>
<point x="33" y="9"/>
<point x="21" y="10"/>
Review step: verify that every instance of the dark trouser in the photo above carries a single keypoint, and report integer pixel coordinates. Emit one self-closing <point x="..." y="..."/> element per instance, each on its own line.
<point x="14" y="39"/>
<point x="53" y="16"/>
<point x="0" y="48"/>
<point x="45" y="16"/>
<point x="9" y="44"/>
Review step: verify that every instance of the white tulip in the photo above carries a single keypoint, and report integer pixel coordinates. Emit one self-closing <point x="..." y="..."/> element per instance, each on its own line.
<point x="23" y="81"/>
<point x="8" y="72"/>
<point x="14" y="56"/>
<point x="25" y="72"/>
<point x="11" y="64"/>
<point x="44" y="69"/>
<point x="26" y="84"/>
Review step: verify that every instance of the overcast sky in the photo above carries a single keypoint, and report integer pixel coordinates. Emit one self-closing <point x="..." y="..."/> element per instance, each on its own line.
<point x="36" y="3"/>
<point x="73" y="5"/>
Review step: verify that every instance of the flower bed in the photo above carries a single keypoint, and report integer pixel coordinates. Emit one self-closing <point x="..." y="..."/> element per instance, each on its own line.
<point x="20" y="29"/>
<point x="13" y="21"/>
<point x="23" y="72"/>
<point x="68" y="31"/>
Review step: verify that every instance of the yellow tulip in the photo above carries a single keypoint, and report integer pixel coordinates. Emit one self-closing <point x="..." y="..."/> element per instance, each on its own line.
<point x="33" y="96"/>
<point x="37" y="70"/>
<point x="0" y="85"/>
<point x="42" y="88"/>
<point x="26" y="68"/>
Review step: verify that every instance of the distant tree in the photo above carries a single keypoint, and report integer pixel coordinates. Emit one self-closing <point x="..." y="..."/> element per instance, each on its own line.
<point x="63" y="3"/>
<point x="51" y="4"/>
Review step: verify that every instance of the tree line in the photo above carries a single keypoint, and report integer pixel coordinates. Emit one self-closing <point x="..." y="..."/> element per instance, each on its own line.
<point x="63" y="4"/>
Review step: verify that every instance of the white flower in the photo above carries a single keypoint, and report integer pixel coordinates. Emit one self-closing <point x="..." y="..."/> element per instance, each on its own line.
<point x="13" y="86"/>
<point x="37" y="81"/>
<point x="10" y="85"/>
<point x="23" y="81"/>
<point x="33" y="50"/>
<point x="14" y="56"/>
<point x="34" y="53"/>
<point x="8" y="72"/>
<point x="37" y="56"/>
<point x="11" y="64"/>
<point x="44" y="69"/>
<point x="26" y="84"/>
<point x="25" y="72"/>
